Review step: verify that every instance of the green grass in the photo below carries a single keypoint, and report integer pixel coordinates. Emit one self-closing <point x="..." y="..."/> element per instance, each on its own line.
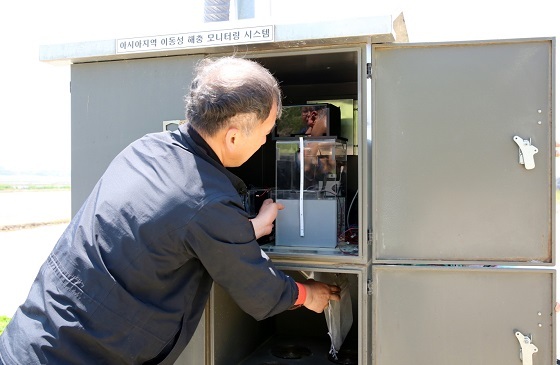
<point x="3" y="323"/>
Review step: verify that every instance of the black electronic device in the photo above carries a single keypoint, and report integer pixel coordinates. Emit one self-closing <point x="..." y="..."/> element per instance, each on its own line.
<point x="313" y="120"/>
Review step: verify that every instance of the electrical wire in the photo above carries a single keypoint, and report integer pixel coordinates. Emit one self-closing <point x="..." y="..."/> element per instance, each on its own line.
<point x="349" y="208"/>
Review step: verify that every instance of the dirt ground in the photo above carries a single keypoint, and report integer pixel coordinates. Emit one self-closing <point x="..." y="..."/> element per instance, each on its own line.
<point x="30" y="224"/>
<point x="27" y="209"/>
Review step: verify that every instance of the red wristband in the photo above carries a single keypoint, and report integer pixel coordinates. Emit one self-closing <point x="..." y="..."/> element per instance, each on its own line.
<point x="302" y="294"/>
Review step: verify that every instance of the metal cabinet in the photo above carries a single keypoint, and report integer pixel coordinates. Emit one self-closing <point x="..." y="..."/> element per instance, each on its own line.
<point x="462" y="315"/>
<point x="115" y="102"/>
<point x="449" y="179"/>
<point x="450" y="167"/>
<point x="462" y="194"/>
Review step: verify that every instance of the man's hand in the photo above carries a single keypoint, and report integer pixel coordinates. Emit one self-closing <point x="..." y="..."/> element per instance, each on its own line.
<point x="319" y="294"/>
<point x="263" y="222"/>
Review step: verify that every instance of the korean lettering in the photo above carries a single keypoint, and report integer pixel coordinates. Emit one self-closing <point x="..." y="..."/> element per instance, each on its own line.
<point x="193" y="39"/>
<point x="214" y="37"/>
<point x="256" y="33"/>
<point x="171" y="41"/>
<point x="266" y="33"/>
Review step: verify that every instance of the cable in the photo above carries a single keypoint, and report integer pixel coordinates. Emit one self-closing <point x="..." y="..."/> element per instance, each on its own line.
<point x="349" y="208"/>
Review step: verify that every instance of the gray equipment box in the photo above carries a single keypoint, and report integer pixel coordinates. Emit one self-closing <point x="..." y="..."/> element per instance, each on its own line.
<point x="450" y="184"/>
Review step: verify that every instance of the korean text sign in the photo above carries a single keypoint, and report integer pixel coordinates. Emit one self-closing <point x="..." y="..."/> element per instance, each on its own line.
<point x="261" y="34"/>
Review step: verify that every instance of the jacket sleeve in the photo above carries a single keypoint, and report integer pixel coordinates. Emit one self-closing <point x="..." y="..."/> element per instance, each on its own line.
<point x="222" y="238"/>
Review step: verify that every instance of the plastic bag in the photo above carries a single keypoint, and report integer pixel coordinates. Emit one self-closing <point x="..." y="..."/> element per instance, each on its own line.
<point x="338" y="314"/>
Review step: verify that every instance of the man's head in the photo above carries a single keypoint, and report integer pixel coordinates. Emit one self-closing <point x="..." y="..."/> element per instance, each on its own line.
<point x="308" y="115"/>
<point x="314" y="119"/>
<point x="227" y="87"/>
<point x="233" y="104"/>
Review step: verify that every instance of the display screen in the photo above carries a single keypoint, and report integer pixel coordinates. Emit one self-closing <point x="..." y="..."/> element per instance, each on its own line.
<point x="314" y="120"/>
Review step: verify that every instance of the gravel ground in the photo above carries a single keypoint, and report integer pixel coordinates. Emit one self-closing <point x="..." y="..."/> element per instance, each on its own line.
<point x="30" y="224"/>
<point x="23" y="252"/>
<point x="28" y="208"/>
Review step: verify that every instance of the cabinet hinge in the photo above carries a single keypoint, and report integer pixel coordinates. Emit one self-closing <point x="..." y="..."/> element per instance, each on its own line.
<point x="368" y="70"/>
<point x="370" y="287"/>
<point x="369" y="238"/>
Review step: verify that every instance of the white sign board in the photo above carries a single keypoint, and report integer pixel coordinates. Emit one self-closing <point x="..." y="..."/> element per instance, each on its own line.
<point x="213" y="38"/>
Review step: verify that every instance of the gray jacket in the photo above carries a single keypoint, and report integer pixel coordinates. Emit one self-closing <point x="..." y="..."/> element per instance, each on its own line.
<point x="129" y="278"/>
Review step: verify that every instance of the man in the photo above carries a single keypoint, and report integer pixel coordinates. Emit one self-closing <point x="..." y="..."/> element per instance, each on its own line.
<point x="314" y="120"/>
<point x="128" y="280"/>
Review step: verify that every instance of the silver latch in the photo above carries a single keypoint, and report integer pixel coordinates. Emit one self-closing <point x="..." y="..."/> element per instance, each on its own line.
<point x="526" y="152"/>
<point x="370" y="287"/>
<point x="527" y="348"/>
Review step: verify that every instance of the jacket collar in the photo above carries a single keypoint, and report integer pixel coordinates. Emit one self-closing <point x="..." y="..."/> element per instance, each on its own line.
<point x="203" y="150"/>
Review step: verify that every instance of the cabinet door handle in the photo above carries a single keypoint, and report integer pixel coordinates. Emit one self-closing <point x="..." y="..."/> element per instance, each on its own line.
<point x="526" y="152"/>
<point x="527" y="348"/>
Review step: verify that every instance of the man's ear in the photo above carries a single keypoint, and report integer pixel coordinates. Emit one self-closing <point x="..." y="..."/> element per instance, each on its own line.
<point x="232" y="138"/>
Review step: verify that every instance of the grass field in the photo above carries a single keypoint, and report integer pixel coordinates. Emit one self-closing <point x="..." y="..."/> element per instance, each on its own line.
<point x="3" y="323"/>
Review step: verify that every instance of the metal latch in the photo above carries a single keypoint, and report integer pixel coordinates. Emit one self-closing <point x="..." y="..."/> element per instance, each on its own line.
<point x="527" y="348"/>
<point x="526" y="152"/>
<point x="370" y="287"/>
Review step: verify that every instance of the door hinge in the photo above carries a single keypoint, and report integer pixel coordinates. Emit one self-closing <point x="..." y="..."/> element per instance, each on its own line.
<point x="368" y="70"/>
<point x="370" y="287"/>
<point x="369" y="238"/>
